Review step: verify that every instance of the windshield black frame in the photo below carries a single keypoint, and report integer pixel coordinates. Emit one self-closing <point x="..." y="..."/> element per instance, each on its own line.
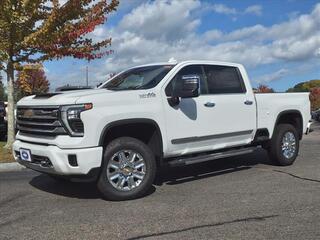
<point x="129" y="80"/>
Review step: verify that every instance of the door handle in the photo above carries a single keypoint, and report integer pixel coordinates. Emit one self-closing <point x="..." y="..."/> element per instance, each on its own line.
<point x="209" y="104"/>
<point x="248" y="102"/>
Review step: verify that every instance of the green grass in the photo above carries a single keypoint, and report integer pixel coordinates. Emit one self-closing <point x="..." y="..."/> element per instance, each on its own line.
<point x="5" y="155"/>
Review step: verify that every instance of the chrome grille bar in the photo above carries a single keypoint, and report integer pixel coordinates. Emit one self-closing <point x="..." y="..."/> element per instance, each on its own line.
<point x="39" y="120"/>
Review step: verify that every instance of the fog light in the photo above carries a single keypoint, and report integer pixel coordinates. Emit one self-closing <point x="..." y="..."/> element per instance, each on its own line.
<point x="46" y="163"/>
<point x="72" y="158"/>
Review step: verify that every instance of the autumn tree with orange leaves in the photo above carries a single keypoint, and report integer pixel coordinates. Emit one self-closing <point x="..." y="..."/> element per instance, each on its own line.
<point x="37" y="30"/>
<point x="264" y="89"/>
<point x="31" y="80"/>
<point x="315" y="98"/>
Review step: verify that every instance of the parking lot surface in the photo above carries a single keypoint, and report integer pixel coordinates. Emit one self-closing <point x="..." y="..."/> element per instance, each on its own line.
<point x="243" y="197"/>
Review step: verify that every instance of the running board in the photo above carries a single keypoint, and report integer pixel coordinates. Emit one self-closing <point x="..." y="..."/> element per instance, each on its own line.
<point x="209" y="157"/>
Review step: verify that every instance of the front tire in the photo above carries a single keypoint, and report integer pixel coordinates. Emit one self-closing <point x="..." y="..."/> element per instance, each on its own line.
<point x="284" y="145"/>
<point x="128" y="169"/>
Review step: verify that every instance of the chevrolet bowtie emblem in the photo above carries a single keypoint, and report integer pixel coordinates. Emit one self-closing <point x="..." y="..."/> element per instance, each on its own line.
<point x="28" y="113"/>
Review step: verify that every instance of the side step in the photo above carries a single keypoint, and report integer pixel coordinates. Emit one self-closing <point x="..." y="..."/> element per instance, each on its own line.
<point x="182" y="161"/>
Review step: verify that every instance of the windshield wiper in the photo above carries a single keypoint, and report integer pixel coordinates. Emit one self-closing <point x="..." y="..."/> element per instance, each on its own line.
<point x="134" y="87"/>
<point x="122" y="89"/>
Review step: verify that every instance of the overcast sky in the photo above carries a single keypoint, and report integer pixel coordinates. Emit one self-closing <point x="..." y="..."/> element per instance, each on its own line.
<point x="278" y="41"/>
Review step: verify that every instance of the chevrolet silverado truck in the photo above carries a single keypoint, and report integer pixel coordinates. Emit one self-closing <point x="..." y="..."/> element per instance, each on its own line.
<point x="148" y="116"/>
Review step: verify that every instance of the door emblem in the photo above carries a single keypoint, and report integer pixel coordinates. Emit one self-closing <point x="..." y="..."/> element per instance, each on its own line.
<point x="147" y="95"/>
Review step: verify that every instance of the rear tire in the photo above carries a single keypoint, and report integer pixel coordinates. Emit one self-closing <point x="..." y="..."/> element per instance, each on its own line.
<point x="128" y="169"/>
<point x="284" y="145"/>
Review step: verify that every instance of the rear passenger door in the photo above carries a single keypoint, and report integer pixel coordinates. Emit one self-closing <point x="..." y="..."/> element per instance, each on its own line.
<point x="233" y="111"/>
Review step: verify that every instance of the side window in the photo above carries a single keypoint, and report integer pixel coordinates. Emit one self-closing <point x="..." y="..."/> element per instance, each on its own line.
<point x="188" y="70"/>
<point x="224" y="79"/>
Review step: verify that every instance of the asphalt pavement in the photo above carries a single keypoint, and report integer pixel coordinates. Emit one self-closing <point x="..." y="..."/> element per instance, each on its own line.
<point x="243" y="197"/>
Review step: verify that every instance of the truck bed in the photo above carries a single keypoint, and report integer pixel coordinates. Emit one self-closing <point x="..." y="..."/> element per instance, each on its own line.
<point x="269" y="105"/>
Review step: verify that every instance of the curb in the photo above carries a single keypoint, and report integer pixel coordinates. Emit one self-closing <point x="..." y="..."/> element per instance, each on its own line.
<point x="8" y="167"/>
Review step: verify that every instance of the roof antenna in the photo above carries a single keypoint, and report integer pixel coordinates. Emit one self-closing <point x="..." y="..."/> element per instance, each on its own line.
<point x="172" y="60"/>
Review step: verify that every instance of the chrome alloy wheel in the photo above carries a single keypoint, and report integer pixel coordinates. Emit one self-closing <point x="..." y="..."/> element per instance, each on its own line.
<point x="126" y="170"/>
<point x="288" y="145"/>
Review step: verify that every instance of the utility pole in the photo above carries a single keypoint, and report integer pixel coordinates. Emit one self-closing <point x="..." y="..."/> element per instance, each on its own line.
<point x="87" y="75"/>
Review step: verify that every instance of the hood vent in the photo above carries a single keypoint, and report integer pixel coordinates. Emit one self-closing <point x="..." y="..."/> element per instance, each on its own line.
<point x="72" y="88"/>
<point x="45" y="95"/>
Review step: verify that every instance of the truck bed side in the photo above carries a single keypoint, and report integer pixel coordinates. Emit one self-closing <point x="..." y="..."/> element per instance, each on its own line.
<point x="271" y="105"/>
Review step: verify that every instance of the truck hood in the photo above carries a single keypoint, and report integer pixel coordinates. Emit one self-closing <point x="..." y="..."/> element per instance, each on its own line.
<point x="59" y="98"/>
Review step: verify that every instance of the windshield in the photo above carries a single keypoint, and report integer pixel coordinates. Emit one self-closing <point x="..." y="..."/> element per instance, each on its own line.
<point x="139" y="78"/>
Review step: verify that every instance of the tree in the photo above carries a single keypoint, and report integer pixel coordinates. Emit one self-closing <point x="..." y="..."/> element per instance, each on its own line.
<point x="305" y="86"/>
<point x="38" y="30"/>
<point x="311" y="86"/>
<point x="315" y="98"/>
<point x="31" y="80"/>
<point x="264" y="89"/>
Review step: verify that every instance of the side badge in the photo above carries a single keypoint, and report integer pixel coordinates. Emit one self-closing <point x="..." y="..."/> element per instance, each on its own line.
<point x="147" y="95"/>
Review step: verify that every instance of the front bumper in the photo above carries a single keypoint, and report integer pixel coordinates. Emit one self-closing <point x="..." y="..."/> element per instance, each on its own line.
<point x="87" y="159"/>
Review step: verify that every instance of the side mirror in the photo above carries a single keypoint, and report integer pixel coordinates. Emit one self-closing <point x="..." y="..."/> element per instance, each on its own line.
<point x="188" y="87"/>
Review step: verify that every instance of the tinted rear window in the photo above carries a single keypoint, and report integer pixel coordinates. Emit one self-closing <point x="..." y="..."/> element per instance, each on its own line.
<point x="223" y="79"/>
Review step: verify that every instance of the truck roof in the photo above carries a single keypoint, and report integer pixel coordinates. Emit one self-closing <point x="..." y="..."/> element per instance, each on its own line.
<point x="191" y="62"/>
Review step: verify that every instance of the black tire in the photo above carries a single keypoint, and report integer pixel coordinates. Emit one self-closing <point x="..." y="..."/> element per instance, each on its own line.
<point x="110" y="192"/>
<point x="275" y="148"/>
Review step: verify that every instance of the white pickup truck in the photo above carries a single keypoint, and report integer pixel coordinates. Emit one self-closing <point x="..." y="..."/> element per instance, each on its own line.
<point x="153" y="115"/>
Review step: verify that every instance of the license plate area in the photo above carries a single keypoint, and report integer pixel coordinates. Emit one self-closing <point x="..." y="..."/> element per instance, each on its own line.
<point x="25" y="155"/>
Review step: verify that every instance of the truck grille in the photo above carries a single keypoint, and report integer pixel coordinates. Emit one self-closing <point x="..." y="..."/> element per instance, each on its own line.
<point x="39" y="121"/>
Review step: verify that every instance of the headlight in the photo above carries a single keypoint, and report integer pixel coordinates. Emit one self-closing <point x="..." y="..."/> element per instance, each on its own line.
<point x="71" y="118"/>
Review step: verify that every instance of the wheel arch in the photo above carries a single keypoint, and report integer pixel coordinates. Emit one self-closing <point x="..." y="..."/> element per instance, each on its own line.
<point x="293" y="117"/>
<point x="144" y="129"/>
